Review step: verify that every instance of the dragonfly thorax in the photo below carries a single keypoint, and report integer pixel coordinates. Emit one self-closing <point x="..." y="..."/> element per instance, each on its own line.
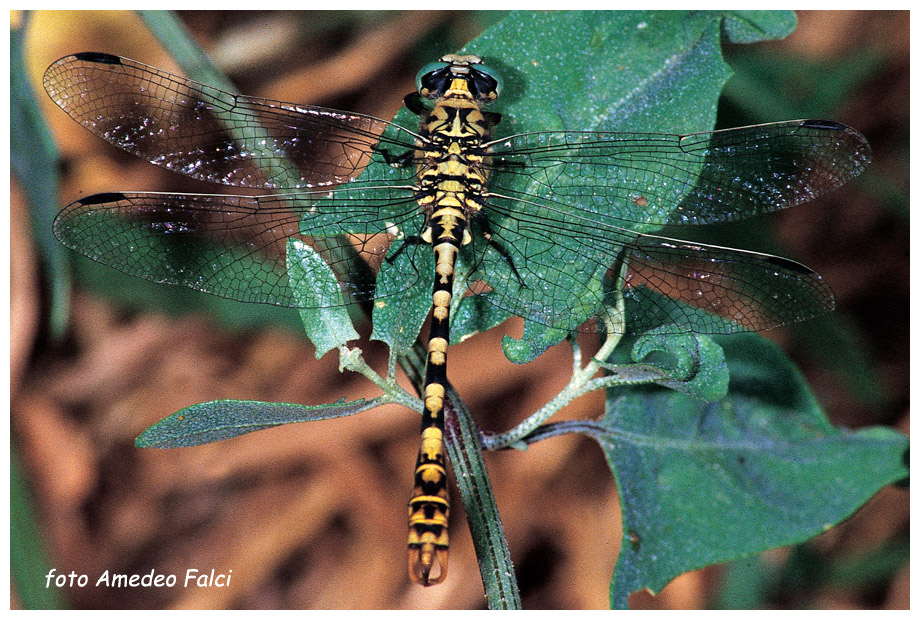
<point x="451" y="174"/>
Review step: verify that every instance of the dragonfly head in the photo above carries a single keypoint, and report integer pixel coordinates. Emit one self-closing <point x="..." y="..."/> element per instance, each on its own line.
<point x="459" y="76"/>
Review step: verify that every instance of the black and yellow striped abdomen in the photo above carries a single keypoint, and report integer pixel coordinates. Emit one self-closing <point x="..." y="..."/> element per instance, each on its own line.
<point x="451" y="185"/>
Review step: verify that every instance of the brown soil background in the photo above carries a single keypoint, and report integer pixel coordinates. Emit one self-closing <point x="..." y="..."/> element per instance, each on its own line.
<point x="312" y="515"/>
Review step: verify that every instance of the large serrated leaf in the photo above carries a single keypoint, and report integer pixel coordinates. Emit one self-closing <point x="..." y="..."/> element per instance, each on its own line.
<point x="627" y="71"/>
<point x="754" y="26"/>
<point x="630" y="71"/>
<point x="704" y="483"/>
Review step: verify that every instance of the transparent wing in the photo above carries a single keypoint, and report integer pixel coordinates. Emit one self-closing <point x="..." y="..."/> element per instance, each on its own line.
<point x="644" y="181"/>
<point x="212" y="135"/>
<point x="550" y="267"/>
<point x="716" y="290"/>
<point x="236" y="246"/>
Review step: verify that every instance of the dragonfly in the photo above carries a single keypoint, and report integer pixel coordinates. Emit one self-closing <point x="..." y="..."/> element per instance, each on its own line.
<point x="550" y="226"/>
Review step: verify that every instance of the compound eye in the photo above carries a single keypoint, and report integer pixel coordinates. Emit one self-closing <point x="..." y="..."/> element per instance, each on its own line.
<point x="431" y="78"/>
<point x="488" y="82"/>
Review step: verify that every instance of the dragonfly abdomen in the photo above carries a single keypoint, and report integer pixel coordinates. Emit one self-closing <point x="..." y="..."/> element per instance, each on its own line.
<point x="429" y="506"/>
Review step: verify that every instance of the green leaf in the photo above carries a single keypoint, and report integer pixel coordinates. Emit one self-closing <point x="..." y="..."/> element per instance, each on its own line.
<point x="640" y="71"/>
<point x="632" y="71"/>
<point x="223" y="419"/>
<point x="475" y="314"/>
<point x="694" y="363"/>
<point x="403" y="295"/>
<point x="756" y="26"/>
<point x="704" y="483"/>
<point x="533" y="343"/>
<point x="29" y="560"/>
<point x="745" y="585"/>
<point x="624" y="71"/>
<point x="317" y="293"/>
<point x="611" y="71"/>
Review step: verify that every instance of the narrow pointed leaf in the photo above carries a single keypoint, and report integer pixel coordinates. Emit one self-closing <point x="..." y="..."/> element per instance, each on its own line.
<point x="223" y="419"/>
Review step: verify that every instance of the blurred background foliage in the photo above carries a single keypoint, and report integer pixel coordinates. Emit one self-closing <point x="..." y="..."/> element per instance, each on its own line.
<point x="96" y="356"/>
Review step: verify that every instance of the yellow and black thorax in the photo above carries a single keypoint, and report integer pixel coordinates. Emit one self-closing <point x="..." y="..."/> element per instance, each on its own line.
<point x="451" y="175"/>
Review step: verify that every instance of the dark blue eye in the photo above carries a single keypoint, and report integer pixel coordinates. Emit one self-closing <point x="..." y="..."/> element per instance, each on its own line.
<point x="431" y="75"/>
<point x="435" y="78"/>
<point x="487" y="81"/>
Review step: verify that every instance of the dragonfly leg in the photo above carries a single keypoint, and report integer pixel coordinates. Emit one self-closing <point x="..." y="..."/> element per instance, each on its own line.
<point x="487" y="233"/>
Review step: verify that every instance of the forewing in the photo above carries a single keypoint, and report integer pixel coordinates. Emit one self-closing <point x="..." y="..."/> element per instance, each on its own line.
<point x="212" y="135"/>
<point x="644" y="181"/>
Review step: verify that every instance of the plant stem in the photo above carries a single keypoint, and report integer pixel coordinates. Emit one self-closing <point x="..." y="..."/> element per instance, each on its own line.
<point x="579" y="384"/>
<point x="351" y="359"/>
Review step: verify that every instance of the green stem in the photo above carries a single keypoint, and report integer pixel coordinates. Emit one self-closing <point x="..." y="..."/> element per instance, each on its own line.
<point x="579" y="384"/>
<point x="351" y="359"/>
<point x="184" y="49"/>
